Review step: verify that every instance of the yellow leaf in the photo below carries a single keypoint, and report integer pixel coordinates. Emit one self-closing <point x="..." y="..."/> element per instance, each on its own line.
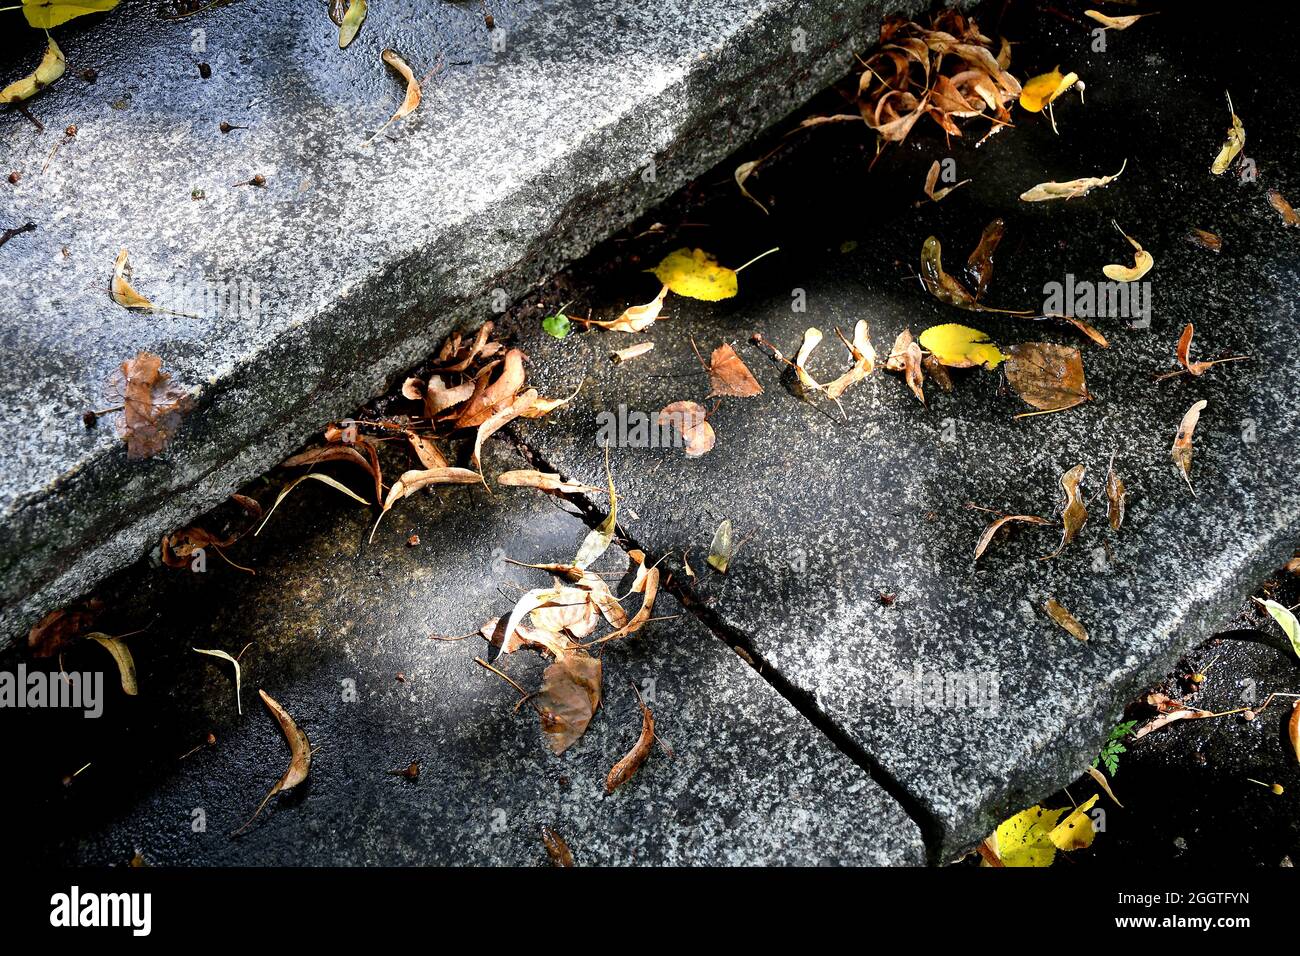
<point x="122" y="656"/>
<point x="1042" y="90"/>
<point x="959" y="346"/>
<point x="1234" y="144"/>
<point x="696" y="274"/>
<point x="1075" y="832"/>
<point x="47" y="71"/>
<point x="352" y="21"/>
<point x="44" y="14"/>
<point x="1026" y="839"/>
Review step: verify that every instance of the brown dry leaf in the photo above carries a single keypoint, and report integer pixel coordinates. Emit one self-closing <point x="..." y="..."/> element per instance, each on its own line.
<point x="412" y="481"/>
<point x="610" y="609"/>
<point x="1072" y="189"/>
<point x="412" y="98"/>
<point x="945" y="287"/>
<point x="1170" y="710"/>
<point x="1075" y="512"/>
<point x="938" y="372"/>
<point x="178" y="547"/>
<point x="691" y="421"/>
<point x="622" y="771"/>
<point x="572" y="611"/>
<point x="1293" y="729"/>
<point x="528" y="602"/>
<point x="427" y="451"/>
<point x="1116" y="23"/>
<point x="646" y="583"/>
<point x="743" y="172"/>
<point x="986" y="537"/>
<point x="152" y="407"/>
<point x="439" y="397"/>
<point x="906" y="357"/>
<point x="299" y="760"/>
<point x="490" y="394"/>
<point x="556" y="848"/>
<point x="864" y="360"/>
<point x="124" y="294"/>
<point x="568" y="698"/>
<point x="490" y="426"/>
<point x="1057" y="612"/>
<point x="1205" y="239"/>
<point x="347" y="453"/>
<point x="811" y="339"/>
<point x="1102" y="782"/>
<point x="1182" y="448"/>
<point x="1278" y="202"/>
<point x="729" y="376"/>
<point x="453" y="358"/>
<point x="631" y="352"/>
<point x="1048" y="377"/>
<point x="545" y="481"/>
<point x="635" y="318"/>
<point x="979" y="267"/>
<point x="413" y="388"/>
<point x="1142" y="262"/>
<point x="1184" y="351"/>
<point x="57" y="629"/>
<point x="1086" y="329"/>
<point x="1116" y="496"/>
<point x="932" y="180"/>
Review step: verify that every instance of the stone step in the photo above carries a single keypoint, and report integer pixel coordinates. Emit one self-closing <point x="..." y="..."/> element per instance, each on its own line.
<point x="534" y="140"/>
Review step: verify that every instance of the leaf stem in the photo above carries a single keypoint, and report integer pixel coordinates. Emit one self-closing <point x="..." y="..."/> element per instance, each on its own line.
<point x="757" y="257"/>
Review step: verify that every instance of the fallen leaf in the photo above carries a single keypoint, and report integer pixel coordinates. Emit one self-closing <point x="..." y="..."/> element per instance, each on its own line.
<point x="352" y="454"/>
<point x="631" y="352"/>
<point x="299" y="759"/>
<point x="696" y="274"/>
<point x="743" y="172"/>
<point x="979" y="266"/>
<point x="1039" y="91"/>
<point x="412" y="98"/>
<point x="986" y="537"/>
<point x="1072" y="189"/>
<point x="50" y="68"/>
<point x="959" y="346"/>
<point x="1285" y="620"/>
<point x="44" y="14"/>
<point x="556" y="848"/>
<point x="1142" y="263"/>
<point x="557" y="326"/>
<point x="410" y="772"/>
<point x="721" y="548"/>
<point x="1170" y="710"/>
<point x="1075" y="832"/>
<point x="1048" y="377"/>
<point x="598" y="539"/>
<point x="610" y="609"/>
<point x="1183" y="353"/>
<point x="122" y="292"/>
<point x="427" y="451"/>
<point x="1234" y="144"/>
<point x="945" y="287"/>
<point x="864" y="360"/>
<point x="1057" y="612"/>
<point x="122" y="657"/>
<point x="1116" y="23"/>
<point x="1205" y="239"/>
<point x="1032" y="837"/>
<point x="352" y="21"/>
<point x="1075" y="512"/>
<point x="316" y="476"/>
<point x="1278" y="202"/>
<point x="1102" y="782"/>
<point x="412" y="481"/>
<point x="239" y="701"/>
<point x="57" y="629"/>
<point x="622" y="771"/>
<point x="636" y="318"/>
<point x="568" y="698"/>
<point x="152" y="407"/>
<point x="1293" y="728"/>
<point x="545" y="481"/>
<point x="1182" y="448"/>
<point x="906" y="357"/>
<point x="729" y="376"/>
<point x="691" y="422"/>
<point x="178" y="547"/>
<point x="493" y="394"/>
<point x="1116" y="495"/>
<point x="499" y="420"/>
<point x="439" y="397"/>
<point x="932" y="180"/>
<point x="646" y="583"/>
<point x="570" y="610"/>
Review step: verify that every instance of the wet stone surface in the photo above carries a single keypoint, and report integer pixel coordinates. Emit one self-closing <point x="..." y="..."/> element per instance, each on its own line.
<point x="350" y="261"/>
<point x="839" y="508"/>
<point x="749" y="781"/>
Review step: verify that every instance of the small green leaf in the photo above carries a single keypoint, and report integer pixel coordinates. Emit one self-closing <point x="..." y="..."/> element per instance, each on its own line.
<point x="1286" y="620"/>
<point x="557" y="325"/>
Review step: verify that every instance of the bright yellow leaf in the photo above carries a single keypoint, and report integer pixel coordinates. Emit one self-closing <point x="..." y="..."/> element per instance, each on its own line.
<point x="1075" y="832"/>
<point x="1032" y="837"/>
<point x="696" y="274"/>
<point x="44" y="14"/>
<point x="1041" y="90"/>
<point x="959" y="346"/>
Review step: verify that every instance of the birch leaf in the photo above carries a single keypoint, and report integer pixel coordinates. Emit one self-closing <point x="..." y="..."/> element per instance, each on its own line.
<point x="50" y="68"/>
<point x="239" y="700"/>
<point x="568" y="698"/>
<point x="864" y="360"/>
<point x="729" y="376"/>
<point x="1116" y="23"/>
<point x="44" y="14"/>
<point x="959" y="346"/>
<point x="743" y="172"/>
<point x="122" y="657"/>
<point x="412" y="481"/>
<point x="544" y="481"/>
<point x="1048" y="377"/>
<point x="1116" y="495"/>
<point x="696" y="274"/>
<point x="1040" y="91"/>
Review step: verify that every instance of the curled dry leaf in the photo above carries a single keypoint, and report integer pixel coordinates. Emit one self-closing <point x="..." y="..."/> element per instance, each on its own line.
<point x="635" y="318"/>
<point x="556" y="848"/>
<point x="361" y="453"/>
<point x="299" y="759"/>
<point x="1232" y="146"/>
<point x="122" y="657"/>
<point x="622" y="771"/>
<point x="1075" y="512"/>
<point x="50" y="68"/>
<point x="1169" y="711"/>
<point x="412" y="481"/>
<point x="610" y="609"/>
<point x="1102" y="782"/>
<point x="492" y="394"/>
<point x="352" y="20"/>
<point x="986" y="537"/>
<point x="1278" y="202"/>
<point x="729" y="376"/>
<point x="1042" y="91"/>
<point x="631" y="352"/>
<point x="1071" y="189"/>
<point x="743" y="172"/>
<point x="945" y="287"/>
<point x="864" y="360"/>
<point x="412" y="98"/>
<point x="152" y="405"/>
<point x="315" y="476"/>
<point x="179" y="547"/>
<point x="811" y="339"/>
<point x="568" y="698"/>
<point x="545" y="481"/>
<point x="570" y="610"/>
<point x="234" y="662"/>
<point x="905" y="357"/>
<point x="499" y="420"/>
<point x="1182" y="448"/>
<point x="427" y="451"/>
<point x="932" y="180"/>
<point x="646" y="583"/>
<point x="123" y="293"/>
<point x="721" y="548"/>
<point x="1057" y="612"/>
<point x="1293" y="729"/>
<point x="1184" y="355"/>
<point x="979" y="266"/>
<point x="58" y="629"/>
<point x="1116" y="496"/>
<point x="1142" y="263"/>
<point x="598" y="539"/>
<point x="1048" y="377"/>
<point x="959" y="346"/>
<point x="1116" y="23"/>
<point x="691" y="422"/>
<point x="1205" y="239"/>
